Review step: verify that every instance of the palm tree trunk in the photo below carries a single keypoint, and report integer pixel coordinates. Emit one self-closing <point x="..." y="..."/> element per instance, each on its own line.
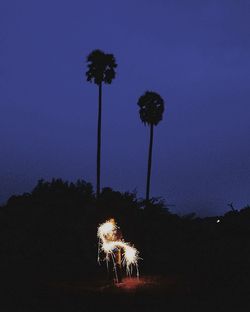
<point x="149" y="160"/>
<point x="99" y="126"/>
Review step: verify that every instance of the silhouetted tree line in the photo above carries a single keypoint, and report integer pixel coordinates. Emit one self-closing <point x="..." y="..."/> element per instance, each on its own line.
<point x="50" y="231"/>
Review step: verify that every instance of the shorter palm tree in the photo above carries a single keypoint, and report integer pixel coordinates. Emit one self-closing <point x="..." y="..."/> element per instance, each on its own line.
<point x="151" y="112"/>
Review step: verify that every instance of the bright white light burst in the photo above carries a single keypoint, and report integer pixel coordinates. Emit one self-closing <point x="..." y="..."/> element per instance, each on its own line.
<point x="108" y="243"/>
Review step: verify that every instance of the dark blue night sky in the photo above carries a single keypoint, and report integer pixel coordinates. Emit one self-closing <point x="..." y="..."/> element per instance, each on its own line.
<point x="195" y="54"/>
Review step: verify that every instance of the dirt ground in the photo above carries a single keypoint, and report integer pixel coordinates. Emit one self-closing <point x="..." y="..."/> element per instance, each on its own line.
<point x="148" y="293"/>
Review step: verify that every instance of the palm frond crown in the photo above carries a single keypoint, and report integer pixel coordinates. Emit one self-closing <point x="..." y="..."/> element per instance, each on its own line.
<point x="101" y="67"/>
<point x="151" y="108"/>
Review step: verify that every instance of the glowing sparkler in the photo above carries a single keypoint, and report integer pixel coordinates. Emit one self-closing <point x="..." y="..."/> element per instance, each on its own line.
<point x="108" y="243"/>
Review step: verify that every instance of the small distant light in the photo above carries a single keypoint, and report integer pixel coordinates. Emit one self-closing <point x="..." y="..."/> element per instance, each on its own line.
<point x="218" y="221"/>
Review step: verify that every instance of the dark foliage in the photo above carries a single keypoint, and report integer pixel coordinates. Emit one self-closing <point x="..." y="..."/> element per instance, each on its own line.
<point x="101" y="67"/>
<point x="151" y="108"/>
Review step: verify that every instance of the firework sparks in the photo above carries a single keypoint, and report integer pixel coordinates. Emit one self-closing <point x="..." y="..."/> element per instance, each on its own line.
<point x="108" y="243"/>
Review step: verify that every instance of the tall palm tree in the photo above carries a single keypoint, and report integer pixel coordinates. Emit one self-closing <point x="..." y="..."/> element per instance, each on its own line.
<point x="101" y="69"/>
<point x="151" y="111"/>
